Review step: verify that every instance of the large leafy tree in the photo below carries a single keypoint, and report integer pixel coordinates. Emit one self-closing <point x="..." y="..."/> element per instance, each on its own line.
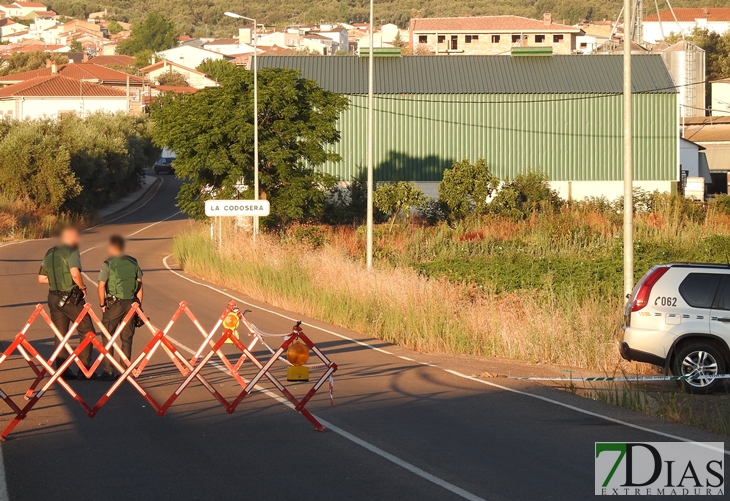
<point x="217" y="69"/>
<point x="155" y="33"/>
<point x="211" y="133"/>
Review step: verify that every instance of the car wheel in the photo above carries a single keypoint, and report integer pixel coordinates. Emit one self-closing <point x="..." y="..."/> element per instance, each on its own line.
<point x="698" y="360"/>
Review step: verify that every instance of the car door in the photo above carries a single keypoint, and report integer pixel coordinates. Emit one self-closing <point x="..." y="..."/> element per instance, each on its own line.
<point x="720" y="314"/>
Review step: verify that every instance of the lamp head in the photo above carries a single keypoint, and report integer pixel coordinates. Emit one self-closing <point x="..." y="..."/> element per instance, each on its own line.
<point x="233" y="15"/>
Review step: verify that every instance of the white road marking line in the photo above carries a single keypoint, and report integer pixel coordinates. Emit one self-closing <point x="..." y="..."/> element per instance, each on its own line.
<point x="352" y="438"/>
<point x="130" y="235"/>
<point x="133" y="211"/>
<point x="454" y="373"/>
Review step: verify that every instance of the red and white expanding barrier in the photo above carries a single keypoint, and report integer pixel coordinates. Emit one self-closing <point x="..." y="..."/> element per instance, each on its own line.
<point x="130" y="370"/>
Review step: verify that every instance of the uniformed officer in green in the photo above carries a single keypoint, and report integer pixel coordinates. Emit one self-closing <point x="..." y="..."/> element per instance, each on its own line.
<point x="61" y="270"/>
<point x="120" y="286"/>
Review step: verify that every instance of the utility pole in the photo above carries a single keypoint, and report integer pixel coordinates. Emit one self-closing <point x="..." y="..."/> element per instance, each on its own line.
<point x="369" y="245"/>
<point x="628" y="158"/>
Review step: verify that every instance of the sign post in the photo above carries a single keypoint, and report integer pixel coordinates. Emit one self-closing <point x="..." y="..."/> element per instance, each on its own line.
<point x="231" y="208"/>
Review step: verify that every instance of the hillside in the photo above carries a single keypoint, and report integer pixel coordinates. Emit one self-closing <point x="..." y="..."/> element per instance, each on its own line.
<point x="205" y="17"/>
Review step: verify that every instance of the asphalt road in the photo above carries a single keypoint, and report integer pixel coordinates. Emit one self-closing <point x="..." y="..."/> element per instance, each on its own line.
<point x="400" y="429"/>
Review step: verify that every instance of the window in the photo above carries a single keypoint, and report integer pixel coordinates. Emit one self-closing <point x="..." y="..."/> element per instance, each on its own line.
<point x="495" y="38"/>
<point x="539" y="38"/>
<point x="516" y="38"/>
<point x="725" y="303"/>
<point x="64" y="114"/>
<point x="422" y="38"/>
<point x="441" y="38"/>
<point x="471" y="38"/>
<point x="698" y="289"/>
<point x="584" y="45"/>
<point x="557" y="38"/>
<point x="454" y="42"/>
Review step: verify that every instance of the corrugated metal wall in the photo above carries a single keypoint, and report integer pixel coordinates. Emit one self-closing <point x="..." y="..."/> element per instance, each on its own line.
<point x="568" y="137"/>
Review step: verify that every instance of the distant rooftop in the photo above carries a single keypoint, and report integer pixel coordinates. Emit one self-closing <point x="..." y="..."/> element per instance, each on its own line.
<point x="488" y="23"/>
<point x="58" y="86"/>
<point x="691" y="14"/>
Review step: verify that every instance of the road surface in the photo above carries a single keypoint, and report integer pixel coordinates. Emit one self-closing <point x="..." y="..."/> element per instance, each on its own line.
<point x="400" y="429"/>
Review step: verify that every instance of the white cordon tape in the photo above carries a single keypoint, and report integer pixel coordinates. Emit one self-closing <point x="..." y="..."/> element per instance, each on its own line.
<point x="260" y="334"/>
<point x="332" y="391"/>
<point x="623" y="379"/>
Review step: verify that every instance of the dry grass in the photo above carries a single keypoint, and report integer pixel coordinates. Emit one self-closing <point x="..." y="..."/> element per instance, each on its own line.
<point x="21" y="220"/>
<point x="399" y="305"/>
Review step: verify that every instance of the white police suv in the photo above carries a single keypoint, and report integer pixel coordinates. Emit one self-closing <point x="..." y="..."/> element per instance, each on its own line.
<point x="678" y="317"/>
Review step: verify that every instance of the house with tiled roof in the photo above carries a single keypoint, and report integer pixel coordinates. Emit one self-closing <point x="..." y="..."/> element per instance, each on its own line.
<point x="89" y="73"/>
<point x="659" y="25"/>
<point x="22" y="9"/>
<point x="8" y="27"/>
<point x="190" y="56"/>
<point x="55" y="96"/>
<point x="195" y="78"/>
<point x="489" y="35"/>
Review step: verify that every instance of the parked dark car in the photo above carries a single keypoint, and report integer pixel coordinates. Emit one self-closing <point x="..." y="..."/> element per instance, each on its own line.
<point x="164" y="165"/>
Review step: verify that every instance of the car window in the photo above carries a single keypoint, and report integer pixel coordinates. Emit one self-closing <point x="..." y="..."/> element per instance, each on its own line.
<point x="725" y="301"/>
<point x="699" y="289"/>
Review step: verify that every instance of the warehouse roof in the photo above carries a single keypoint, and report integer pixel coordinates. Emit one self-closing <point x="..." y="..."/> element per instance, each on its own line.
<point x="586" y="74"/>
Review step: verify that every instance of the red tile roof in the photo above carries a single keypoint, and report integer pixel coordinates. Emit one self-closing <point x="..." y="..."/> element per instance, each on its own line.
<point x="77" y="71"/>
<point x="488" y="24"/>
<point x="689" y="15"/>
<point x="31" y="4"/>
<point x="115" y="59"/>
<point x="58" y="86"/>
<point x="224" y="41"/>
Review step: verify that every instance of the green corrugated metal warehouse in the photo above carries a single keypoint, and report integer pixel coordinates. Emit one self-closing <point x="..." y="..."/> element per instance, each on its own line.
<point x="560" y="115"/>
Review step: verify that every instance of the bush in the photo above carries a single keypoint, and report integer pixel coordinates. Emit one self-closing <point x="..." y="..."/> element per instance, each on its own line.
<point x="396" y="198"/>
<point x="74" y="164"/>
<point x="466" y="187"/>
<point x="346" y="203"/>
<point x="528" y="193"/>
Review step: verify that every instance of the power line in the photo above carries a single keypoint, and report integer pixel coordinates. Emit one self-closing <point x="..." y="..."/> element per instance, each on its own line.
<point x="528" y="101"/>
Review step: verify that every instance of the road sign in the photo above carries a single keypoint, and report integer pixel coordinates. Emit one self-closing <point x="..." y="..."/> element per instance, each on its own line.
<point x="218" y="208"/>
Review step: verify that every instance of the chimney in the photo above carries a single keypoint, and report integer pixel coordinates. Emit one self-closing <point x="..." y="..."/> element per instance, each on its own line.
<point x="547" y="19"/>
<point x="244" y="36"/>
<point x="85" y="57"/>
<point x="54" y="69"/>
<point x="48" y="62"/>
<point x="153" y="59"/>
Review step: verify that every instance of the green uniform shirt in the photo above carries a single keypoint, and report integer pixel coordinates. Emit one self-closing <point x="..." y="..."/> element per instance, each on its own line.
<point x="67" y="258"/>
<point x="104" y="275"/>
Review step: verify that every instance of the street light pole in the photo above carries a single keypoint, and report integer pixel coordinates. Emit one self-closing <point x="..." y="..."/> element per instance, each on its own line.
<point x="369" y="244"/>
<point x="255" y="114"/>
<point x="628" y="156"/>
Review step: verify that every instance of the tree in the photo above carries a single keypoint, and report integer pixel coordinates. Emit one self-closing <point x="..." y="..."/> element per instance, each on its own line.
<point x="466" y="187"/>
<point x="114" y="28"/>
<point x="211" y="133"/>
<point x="143" y="58"/>
<point x="155" y="33"/>
<point x="394" y="198"/>
<point x="528" y="193"/>
<point x="28" y="61"/>
<point x="76" y="46"/>
<point x="217" y="69"/>
<point x="173" y="79"/>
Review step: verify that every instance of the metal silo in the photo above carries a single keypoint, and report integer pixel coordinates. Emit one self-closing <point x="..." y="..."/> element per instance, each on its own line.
<point x="686" y="63"/>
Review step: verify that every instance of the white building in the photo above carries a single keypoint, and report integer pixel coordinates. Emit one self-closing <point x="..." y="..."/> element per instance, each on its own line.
<point x="657" y="27"/>
<point x="56" y="96"/>
<point x="189" y="56"/>
<point x="194" y="77"/>
<point x="721" y="98"/>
